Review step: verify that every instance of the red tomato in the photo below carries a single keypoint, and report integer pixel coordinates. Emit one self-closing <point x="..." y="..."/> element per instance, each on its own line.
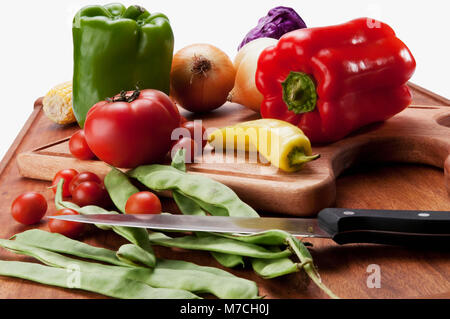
<point x="78" y="146"/>
<point x="83" y="177"/>
<point x="29" y="208"/>
<point x="89" y="193"/>
<point x="68" y="175"/>
<point x="196" y="131"/>
<point x="143" y="203"/>
<point x="128" y="134"/>
<point x="191" y="149"/>
<point x="182" y="120"/>
<point x="64" y="227"/>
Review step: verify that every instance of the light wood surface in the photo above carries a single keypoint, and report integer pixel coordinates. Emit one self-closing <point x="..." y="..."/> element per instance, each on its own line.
<point x="419" y="134"/>
<point x="405" y="272"/>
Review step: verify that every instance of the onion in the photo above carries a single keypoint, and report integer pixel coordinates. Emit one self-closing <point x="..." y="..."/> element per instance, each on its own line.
<point x="245" y="63"/>
<point x="201" y="77"/>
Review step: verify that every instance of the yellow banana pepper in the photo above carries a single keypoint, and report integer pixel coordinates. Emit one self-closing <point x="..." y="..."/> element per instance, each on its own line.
<point x="284" y="145"/>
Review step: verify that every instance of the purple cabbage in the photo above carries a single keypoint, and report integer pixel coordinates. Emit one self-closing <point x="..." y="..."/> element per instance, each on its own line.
<point x="279" y="20"/>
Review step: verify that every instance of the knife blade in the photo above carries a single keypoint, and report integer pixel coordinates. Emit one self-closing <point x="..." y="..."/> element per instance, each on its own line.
<point x="398" y="227"/>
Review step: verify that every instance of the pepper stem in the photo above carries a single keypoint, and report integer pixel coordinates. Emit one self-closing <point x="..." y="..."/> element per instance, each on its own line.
<point x="133" y="12"/>
<point x="299" y="92"/>
<point x="298" y="157"/>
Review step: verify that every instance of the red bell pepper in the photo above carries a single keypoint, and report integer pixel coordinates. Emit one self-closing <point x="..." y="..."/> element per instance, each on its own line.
<point x="330" y="81"/>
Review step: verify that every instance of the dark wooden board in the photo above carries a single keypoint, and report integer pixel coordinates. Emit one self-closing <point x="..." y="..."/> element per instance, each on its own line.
<point x="405" y="272"/>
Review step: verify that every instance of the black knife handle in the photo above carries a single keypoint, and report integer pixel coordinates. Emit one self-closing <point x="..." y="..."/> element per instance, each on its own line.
<point x="393" y="227"/>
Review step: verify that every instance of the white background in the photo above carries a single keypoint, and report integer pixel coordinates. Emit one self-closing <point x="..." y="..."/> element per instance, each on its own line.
<point x="36" y="39"/>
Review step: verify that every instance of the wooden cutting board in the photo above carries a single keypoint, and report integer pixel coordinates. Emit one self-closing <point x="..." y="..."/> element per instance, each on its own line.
<point x="405" y="272"/>
<point x="419" y="134"/>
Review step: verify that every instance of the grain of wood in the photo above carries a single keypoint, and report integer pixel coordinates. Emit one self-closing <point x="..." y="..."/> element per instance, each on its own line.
<point x="405" y="273"/>
<point x="416" y="135"/>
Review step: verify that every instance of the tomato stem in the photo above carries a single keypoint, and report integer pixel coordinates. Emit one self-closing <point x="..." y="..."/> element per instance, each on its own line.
<point x="124" y="97"/>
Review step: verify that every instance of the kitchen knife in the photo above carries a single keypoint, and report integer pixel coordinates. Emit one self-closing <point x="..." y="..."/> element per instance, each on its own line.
<point x="344" y="226"/>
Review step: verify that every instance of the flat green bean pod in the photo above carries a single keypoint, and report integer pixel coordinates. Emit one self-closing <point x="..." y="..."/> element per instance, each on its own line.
<point x="61" y="244"/>
<point x="272" y="268"/>
<point x="137" y="236"/>
<point x="115" y="181"/>
<point x="178" y="160"/>
<point x="181" y="264"/>
<point x="195" y="194"/>
<point x="228" y="260"/>
<point x="189" y="207"/>
<point x="210" y="208"/>
<point x="134" y="256"/>
<point x="190" y="280"/>
<point x="275" y="264"/>
<point x="269" y="237"/>
<point x="186" y="205"/>
<point x="225" y="259"/>
<point x="197" y="187"/>
<point x="101" y="283"/>
<point x="58" y="243"/>
<point x="119" y="188"/>
<point x="266" y="268"/>
<point x="217" y="244"/>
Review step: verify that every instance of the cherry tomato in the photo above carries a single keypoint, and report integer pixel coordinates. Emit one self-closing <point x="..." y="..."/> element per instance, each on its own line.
<point x="83" y="177"/>
<point x="197" y="131"/>
<point x="133" y="132"/>
<point x="79" y="147"/>
<point x="68" y="175"/>
<point x="107" y="202"/>
<point x="143" y="203"/>
<point x="89" y="193"/>
<point x="64" y="227"/>
<point x="189" y="145"/>
<point x="29" y="208"/>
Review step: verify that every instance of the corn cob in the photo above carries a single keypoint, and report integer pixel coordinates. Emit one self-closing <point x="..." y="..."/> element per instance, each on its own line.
<point x="57" y="104"/>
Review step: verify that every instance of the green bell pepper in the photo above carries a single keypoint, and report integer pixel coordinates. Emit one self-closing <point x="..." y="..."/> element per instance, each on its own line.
<point x="118" y="48"/>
